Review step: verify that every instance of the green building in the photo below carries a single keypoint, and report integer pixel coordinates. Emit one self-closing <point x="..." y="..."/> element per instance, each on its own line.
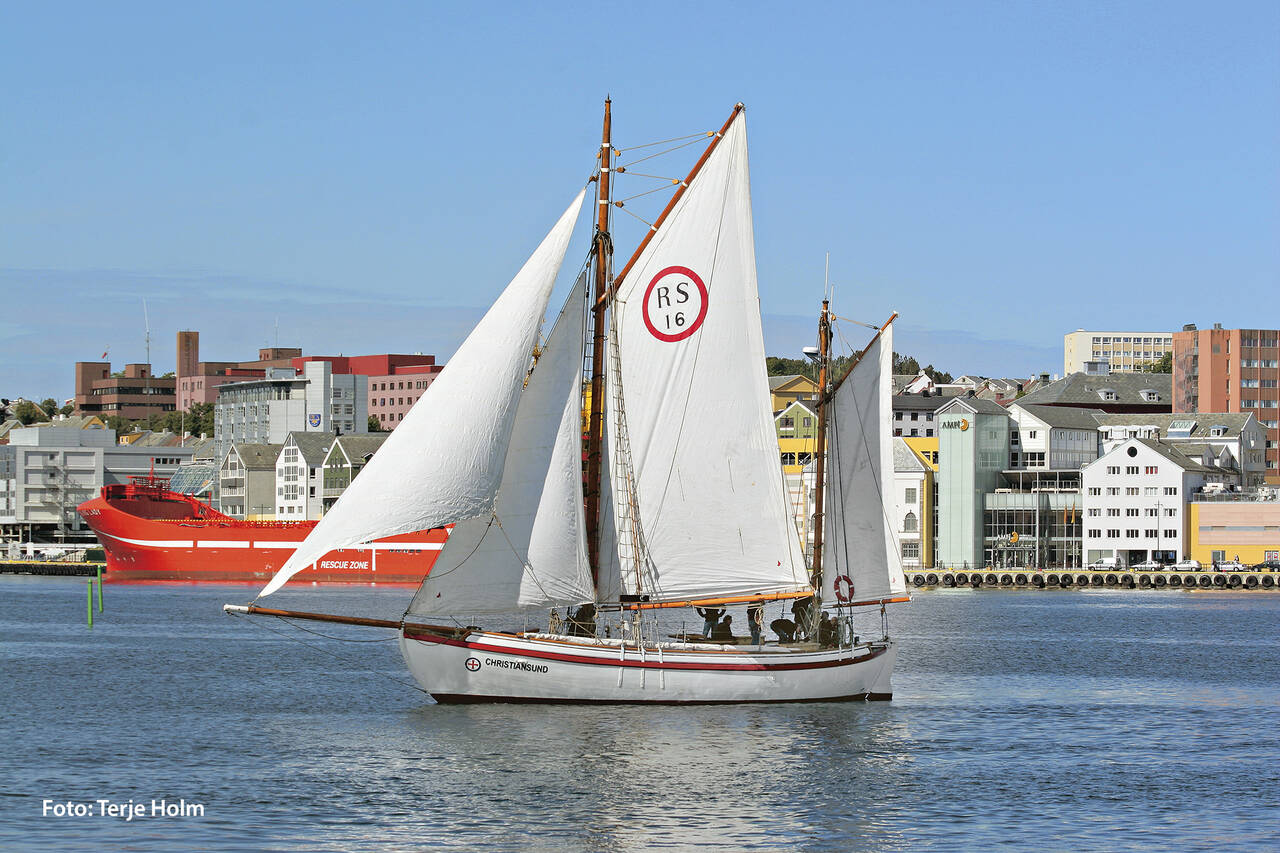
<point x="973" y="444"/>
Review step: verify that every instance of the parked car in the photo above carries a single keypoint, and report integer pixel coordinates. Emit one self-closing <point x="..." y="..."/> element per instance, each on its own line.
<point x="1148" y="566"/>
<point x="1105" y="563"/>
<point x="1188" y="566"/>
<point x="1267" y="565"/>
<point x="1229" y="566"/>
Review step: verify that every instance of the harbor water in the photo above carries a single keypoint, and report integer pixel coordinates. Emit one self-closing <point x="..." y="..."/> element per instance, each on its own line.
<point x="1056" y="720"/>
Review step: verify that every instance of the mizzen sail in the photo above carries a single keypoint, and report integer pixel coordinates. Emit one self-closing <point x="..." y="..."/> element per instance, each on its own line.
<point x="861" y="560"/>
<point x="444" y="461"/>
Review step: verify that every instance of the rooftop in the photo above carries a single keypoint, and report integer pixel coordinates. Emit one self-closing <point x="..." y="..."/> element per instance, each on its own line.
<point x="1154" y="390"/>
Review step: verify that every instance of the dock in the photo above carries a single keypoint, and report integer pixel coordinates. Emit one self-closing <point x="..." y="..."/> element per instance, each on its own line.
<point x="51" y="567"/>
<point x="1092" y="579"/>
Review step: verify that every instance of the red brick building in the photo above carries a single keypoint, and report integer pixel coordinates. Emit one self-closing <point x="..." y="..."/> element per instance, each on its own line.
<point x="134" y="395"/>
<point x="1231" y="370"/>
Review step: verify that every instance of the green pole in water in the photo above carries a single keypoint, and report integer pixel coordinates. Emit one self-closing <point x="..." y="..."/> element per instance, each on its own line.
<point x="99" y="589"/>
<point x="89" y="590"/>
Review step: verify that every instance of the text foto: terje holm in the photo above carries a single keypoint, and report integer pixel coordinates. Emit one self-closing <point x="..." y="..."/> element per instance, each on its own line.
<point x="127" y="810"/>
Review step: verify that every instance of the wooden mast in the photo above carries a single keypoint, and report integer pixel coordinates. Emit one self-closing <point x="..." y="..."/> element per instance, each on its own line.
<point x="820" y="457"/>
<point x="603" y="252"/>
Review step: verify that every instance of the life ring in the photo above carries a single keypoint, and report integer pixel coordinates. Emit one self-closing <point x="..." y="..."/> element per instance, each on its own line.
<point x="843" y="597"/>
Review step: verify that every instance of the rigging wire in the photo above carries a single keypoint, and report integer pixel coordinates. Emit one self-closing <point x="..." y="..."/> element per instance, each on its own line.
<point x="641" y="218"/>
<point x="703" y="134"/>
<point x="330" y="652"/>
<point x="697" y="139"/>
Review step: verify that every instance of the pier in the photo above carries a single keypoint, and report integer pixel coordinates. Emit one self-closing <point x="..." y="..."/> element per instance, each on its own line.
<point x="1092" y="579"/>
<point x="51" y="567"/>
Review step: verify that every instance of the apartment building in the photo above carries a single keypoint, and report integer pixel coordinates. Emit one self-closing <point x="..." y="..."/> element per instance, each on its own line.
<point x="1231" y="370"/>
<point x="1125" y="352"/>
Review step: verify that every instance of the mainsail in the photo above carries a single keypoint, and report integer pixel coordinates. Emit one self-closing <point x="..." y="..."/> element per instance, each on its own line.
<point x="530" y="551"/>
<point x="861" y="561"/>
<point x="712" y="507"/>
<point x="444" y="461"/>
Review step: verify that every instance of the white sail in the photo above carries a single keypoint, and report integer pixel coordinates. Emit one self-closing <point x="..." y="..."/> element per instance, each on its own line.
<point x="712" y="507"/>
<point x="530" y="551"/>
<point x="444" y="461"/>
<point x="861" y="559"/>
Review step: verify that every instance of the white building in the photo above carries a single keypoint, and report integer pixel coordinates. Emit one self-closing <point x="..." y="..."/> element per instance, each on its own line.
<point x="300" y="476"/>
<point x="1126" y="352"/>
<point x="1135" y="502"/>
<point x="265" y="411"/>
<point x="1235" y="439"/>
<point x="1059" y="438"/>
<point x="48" y="471"/>
<point x="911" y="483"/>
<point x="247" y="481"/>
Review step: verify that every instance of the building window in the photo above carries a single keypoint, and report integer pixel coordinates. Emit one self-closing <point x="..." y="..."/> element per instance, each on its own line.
<point x="1153" y="469"/>
<point x="910" y="550"/>
<point x="1153" y="534"/>
<point x="1113" y="533"/>
<point x="1113" y="512"/>
<point x="1170" y="534"/>
<point x="1113" y="490"/>
<point x="1131" y="469"/>
<point x="1113" y="469"/>
<point x="1172" y="491"/>
<point x="1095" y="491"/>
<point x="1131" y="533"/>
<point x="909" y="496"/>
<point x="909" y="523"/>
<point x="1094" y="512"/>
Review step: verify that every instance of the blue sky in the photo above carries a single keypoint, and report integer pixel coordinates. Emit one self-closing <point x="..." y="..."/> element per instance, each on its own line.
<point x="372" y="174"/>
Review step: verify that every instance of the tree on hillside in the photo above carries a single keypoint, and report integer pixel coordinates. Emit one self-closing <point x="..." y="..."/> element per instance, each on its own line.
<point x="936" y="375"/>
<point x="26" y="412"/>
<point x="375" y="425"/>
<point x="1164" y="364"/>
<point x="905" y="365"/>
<point x="49" y="404"/>
<point x="790" y="367"/>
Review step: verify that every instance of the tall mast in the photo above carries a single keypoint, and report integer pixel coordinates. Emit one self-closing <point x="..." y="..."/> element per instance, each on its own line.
<point x="603" y="252"/>
<point x="820" y="453"/>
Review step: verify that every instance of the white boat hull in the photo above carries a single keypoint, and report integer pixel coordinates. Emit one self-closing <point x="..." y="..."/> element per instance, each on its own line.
<point x="496" y="667"/>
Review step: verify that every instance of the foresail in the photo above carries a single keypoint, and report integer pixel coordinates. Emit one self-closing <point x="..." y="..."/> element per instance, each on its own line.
<point x="712" y="508"/>
<point x="861" y="560"/>
<point x="529" y="552"/>
<point x="444" y="461"/>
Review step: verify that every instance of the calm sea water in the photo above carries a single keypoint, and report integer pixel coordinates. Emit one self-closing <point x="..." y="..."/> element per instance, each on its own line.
<point x="1107" y="720"/>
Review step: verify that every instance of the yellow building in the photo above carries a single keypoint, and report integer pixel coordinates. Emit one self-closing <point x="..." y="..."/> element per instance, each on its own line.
<point x="1248" y="531"/>
<point x="926" y="449"/>
<point x="786" y="390"/>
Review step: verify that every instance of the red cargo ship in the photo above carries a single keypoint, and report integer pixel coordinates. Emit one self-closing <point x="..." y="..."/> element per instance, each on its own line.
<point x="152" y="533"/>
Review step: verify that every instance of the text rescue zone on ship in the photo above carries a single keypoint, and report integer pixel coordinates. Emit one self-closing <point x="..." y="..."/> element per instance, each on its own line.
<point x="671" y="516"/>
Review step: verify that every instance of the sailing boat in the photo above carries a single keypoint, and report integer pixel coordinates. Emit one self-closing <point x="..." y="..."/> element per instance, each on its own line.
<point x="682" y="503"/>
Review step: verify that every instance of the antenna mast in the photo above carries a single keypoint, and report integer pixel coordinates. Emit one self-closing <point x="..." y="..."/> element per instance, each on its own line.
<point x="146" y="321"/>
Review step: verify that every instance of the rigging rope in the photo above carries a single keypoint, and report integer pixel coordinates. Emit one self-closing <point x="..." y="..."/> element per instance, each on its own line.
<point x="700" y="135"/>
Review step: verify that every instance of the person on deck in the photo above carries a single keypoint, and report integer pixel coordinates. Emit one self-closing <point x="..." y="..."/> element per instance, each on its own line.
<point x="583" y="622"/>
<point x="755" y="616"/>
<point x="785" y="629"/>
<point x="710" y="616"/>
<point x="724" y="630"/>
<point x="826" y="631"/>
<point x="802" y="615"/>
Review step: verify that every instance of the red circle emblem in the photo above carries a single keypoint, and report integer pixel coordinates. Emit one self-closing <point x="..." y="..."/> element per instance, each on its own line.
<point x="839" y="585"/>
<point x="675" y="304"/>
<point x="472" y="664"/>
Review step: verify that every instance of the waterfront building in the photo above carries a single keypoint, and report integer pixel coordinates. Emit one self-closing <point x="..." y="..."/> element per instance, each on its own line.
<point x="1124" y="352"/>
<point x="47" y="471"/>
<point x="346" y="457"/>
<point x="134" y="394"/>
<point x="1052" y="437"/>
<point x="973" y="437"/>
<point x="299" y="475"/>
<point x="265" y="411"/>
<point x="1231" y="370"/>
<point x="1114" y="393"/>
<point x="395" y="381"/>
<point x="797" y="428"/>
<point x="785" y="390"/>
<point x="1135" y="499"/>
<point x="247" y="481"/>
<point x="913" y="414"/>
<point x="913" y="506"/>
<point x="1237" y="439"/>
<point x="1226" y="526"/>
<point x="197" y="381"/>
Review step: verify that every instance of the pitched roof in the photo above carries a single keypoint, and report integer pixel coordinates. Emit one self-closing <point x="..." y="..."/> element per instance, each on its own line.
<point x="360" y="445"/>
<point x="313" y="446"/>
<point x="776" y="382"/>
<point x="1062" y="417"/>
<point x="977" y="404"/>
<point x="258" y="457"/>
<point x="917" y="402"/>
<point x="1203" y="422"/>
<point x="1179" y="458"/>
<point x="905" y="459"/>
<point x="1082" y="389"/>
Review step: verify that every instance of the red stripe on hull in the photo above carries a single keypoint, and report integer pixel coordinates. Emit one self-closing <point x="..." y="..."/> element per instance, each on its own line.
<point x="466" y="699"/>
<point x="614" y="662"/>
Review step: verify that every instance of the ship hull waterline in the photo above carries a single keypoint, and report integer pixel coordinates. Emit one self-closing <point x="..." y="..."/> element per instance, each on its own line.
<point x="493" y="667"/>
